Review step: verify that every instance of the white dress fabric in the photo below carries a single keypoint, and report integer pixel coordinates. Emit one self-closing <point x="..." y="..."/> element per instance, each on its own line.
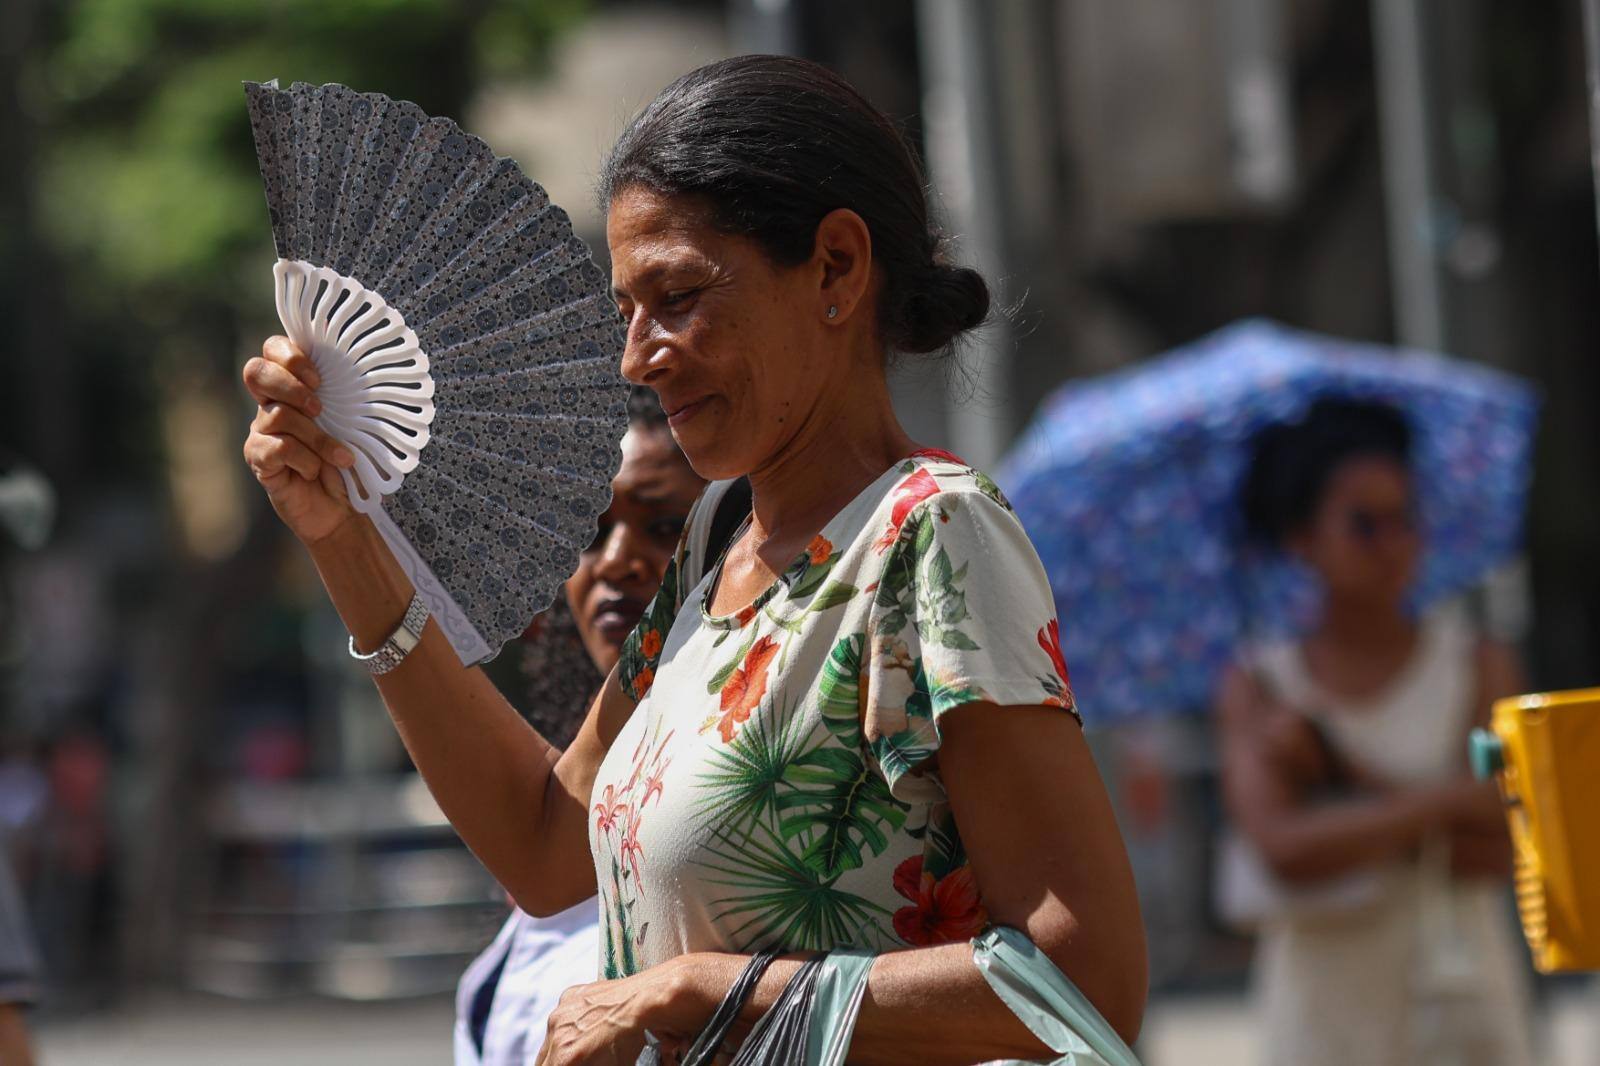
<point x="542" y="958"/>
<point x="1428" y="972"/>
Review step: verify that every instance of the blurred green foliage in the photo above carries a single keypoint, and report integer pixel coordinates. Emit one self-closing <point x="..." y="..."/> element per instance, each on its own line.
<point x="146" y="179"/>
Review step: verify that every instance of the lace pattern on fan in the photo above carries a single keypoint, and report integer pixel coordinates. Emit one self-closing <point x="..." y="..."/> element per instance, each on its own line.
<point x="499" y="491"/>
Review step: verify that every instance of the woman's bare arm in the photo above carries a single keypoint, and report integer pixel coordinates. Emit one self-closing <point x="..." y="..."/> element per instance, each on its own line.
<point x="517" y="801"/>
<point x="1303" y="841"/>
<point x="1480" y="843"/>
<point x="514" y="799"/>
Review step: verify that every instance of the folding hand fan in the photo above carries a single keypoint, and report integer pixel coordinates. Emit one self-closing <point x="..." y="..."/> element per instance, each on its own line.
<point x="466" y="344"/>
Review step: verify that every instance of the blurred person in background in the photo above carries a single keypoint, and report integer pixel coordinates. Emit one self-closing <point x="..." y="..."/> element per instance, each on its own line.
<point x="1383" y="932"/>
<point x="27" y="513"/>
<point x="508" y="992"/>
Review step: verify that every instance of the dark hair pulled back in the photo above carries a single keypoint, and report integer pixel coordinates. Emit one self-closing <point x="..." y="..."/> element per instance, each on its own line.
<point x="770" y="145"/>
<point x="1292" y="463"/>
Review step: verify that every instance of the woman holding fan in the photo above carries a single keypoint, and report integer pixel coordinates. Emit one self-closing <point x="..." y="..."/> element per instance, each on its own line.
<point x="853" y="727"/>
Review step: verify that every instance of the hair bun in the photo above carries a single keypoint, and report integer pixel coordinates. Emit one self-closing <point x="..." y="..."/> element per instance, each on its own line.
<point x="945" y="302"/>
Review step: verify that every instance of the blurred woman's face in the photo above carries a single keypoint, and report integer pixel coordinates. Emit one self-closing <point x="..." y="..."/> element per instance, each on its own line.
<point x="1363" y="540"/>
<point x="619" y="572"/>
<point x="731" y="341"/>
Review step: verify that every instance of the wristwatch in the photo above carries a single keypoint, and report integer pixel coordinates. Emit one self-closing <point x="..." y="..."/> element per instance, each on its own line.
<point x="399" y="643"/>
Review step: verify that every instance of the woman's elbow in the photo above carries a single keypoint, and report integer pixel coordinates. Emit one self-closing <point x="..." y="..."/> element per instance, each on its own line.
<point x="1123" y="1007"/>
<point x="1113" y="975"/>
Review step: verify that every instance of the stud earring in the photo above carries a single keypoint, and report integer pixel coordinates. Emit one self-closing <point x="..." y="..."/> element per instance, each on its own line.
<point x="833" y="312"/>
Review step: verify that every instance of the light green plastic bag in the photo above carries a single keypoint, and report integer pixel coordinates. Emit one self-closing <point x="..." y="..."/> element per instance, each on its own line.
<point x="1021" y="975"/>
<point x="1046" y="1002"/>
<point x="841" y="983"/>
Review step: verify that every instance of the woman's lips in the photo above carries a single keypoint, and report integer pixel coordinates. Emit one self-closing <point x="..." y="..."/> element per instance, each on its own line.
<point x="682" y="414"/>
<point x="616" y="618"/>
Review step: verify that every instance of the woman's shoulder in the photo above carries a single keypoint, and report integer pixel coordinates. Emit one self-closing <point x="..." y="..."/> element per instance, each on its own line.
<point x="934" y="480"/>
<point x="950" y="475"/>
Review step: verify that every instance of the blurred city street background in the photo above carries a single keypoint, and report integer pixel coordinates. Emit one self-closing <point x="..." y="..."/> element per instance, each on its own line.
<point x="225" y="853"/>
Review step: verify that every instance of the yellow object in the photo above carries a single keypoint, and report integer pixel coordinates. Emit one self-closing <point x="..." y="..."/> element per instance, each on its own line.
<point x="1549" y="774"/>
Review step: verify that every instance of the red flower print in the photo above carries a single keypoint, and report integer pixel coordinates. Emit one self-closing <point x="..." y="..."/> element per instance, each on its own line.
<point x="746" y="686"/>
<point x="940" y="454"/>
<point x="650" y="643"/>
<point x="653" y="785"/>
<point x="743" y="618"/>
<point x="941" y="912"/>
<point x="1052" y="647"/>
<point x="818" y="550"/>
<point x="608" y="810"/>
<point x="912" y="491"/>
<point x="642" y="682"/>
<point x="630" y="851"/>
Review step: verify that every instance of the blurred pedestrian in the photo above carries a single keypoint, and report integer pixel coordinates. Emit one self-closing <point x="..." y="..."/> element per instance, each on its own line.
<point x="27" y="510"/>
<point x="508" y="992"/>
<point x="1383" y="928"/>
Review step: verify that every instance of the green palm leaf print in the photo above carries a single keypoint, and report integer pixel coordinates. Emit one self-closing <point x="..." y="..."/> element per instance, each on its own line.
<point x="839" y="690"/>
<point x="741" y="786"/>
<point x="782" y="900"/>
<point x="836" y="806"/>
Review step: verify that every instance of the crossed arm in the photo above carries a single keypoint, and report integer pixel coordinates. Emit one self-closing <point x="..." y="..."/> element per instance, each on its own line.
<point x="1265" y="783"/>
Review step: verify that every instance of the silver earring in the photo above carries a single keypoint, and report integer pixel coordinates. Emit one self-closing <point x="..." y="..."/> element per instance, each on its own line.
<point x="833" y="312"/>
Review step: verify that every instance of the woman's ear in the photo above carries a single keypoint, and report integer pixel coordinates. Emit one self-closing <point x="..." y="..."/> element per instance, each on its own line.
<point x="843" y="261"/>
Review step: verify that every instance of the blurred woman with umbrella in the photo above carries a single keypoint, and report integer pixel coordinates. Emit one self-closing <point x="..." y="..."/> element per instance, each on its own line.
<point x="1130" y="486"/>
<point x="1383" y="936"/>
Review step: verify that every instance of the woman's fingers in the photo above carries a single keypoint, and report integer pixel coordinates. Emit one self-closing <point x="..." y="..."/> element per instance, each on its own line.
<point x="281" y="420"/>
<point x="332" y="483"/>
<point x="283" y="374"/>
<point x="269" y="456"/>
<point x="282" y="350"/>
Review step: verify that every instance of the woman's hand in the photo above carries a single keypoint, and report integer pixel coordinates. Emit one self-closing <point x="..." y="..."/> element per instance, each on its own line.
<point x="295" y="461"/>
<point x="605" y="1022"/>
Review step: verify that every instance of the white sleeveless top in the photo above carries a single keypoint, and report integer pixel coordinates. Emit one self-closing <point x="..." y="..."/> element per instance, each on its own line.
<point x="1431" y="972"/>
<point x="1412" y="733"/>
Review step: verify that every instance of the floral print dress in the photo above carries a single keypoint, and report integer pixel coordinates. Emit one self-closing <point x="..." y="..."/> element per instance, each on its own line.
<point x="775" y="785"/>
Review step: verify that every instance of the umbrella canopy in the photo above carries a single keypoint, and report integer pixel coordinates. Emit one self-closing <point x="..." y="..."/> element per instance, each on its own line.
<point x="1128" y="486"/>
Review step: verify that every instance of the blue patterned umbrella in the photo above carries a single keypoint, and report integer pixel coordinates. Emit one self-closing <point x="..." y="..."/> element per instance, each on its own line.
<point x="1128" y="484"/>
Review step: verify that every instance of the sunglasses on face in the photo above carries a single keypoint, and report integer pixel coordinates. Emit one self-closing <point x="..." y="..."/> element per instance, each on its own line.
<point x="1370" y="526"/>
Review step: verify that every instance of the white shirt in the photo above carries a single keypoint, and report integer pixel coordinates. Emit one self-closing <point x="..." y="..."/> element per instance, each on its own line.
<point x="543" y="957"/>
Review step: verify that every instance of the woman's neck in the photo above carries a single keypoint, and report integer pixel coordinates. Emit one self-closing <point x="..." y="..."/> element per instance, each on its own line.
<point x="1361" y="624"/>
<point x="845" y="443"/>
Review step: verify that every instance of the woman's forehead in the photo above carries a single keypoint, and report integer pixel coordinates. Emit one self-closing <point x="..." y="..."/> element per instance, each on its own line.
<point x="650" y="457"/>
<point x="1366" y="476"/>
<point x="642" y="218"/>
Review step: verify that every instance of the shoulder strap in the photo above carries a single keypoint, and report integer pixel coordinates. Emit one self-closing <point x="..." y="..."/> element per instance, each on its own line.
<point x="725" y="520"/>
<point x="712" y="525"/>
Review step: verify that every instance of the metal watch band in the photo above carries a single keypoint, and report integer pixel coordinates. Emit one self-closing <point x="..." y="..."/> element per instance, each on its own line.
<point x="393" y="650"/>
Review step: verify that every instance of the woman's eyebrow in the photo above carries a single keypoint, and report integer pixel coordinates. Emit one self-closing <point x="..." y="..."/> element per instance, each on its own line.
<point x="645" y="277"/>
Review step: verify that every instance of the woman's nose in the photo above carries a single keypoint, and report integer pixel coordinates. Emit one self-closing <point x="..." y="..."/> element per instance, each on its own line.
<point x="644" y="355"/>
<point x="621" y="558"/>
